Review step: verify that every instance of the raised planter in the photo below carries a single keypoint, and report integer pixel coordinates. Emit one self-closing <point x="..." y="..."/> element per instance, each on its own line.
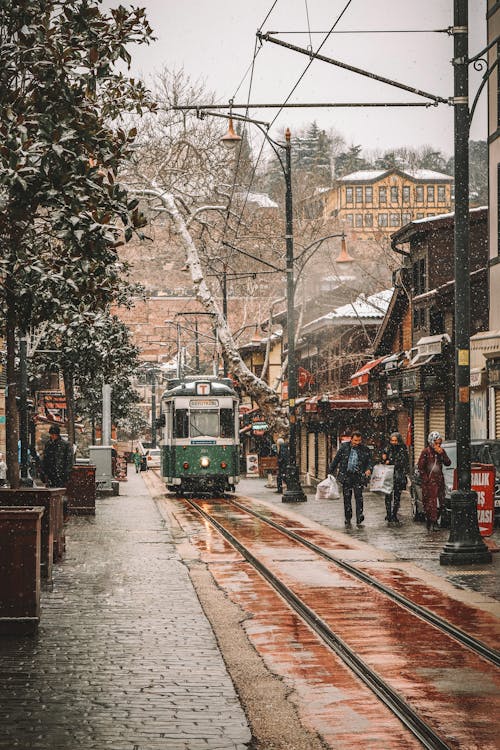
<point x="20" y="535"/>
<point x="81" y="491"/>
<point x="53" y="541"/>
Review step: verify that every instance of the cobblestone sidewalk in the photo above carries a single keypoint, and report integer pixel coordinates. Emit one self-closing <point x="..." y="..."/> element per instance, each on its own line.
<point x="124" y="658"/>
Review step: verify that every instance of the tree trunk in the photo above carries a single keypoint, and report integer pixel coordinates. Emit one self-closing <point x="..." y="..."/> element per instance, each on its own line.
<point x="266" y="397"/>
<point x="11" y="413"/>
<point x="69" y="391"/>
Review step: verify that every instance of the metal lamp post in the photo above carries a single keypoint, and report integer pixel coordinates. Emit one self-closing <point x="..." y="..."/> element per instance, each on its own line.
<point x="294" y="492"/>
<point x="465" y="544"/>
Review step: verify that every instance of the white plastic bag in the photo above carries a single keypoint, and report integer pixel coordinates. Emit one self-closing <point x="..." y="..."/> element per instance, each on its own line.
<point x="328" y="489"/>
<point x="382" y="479"/>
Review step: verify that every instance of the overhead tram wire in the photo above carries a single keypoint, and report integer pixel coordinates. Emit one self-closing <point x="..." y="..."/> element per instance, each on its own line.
<point x="293" y="89"/>
<point x="312" y="58"/>
<point x="257" y="48"/>
<point x="370" y="31"/>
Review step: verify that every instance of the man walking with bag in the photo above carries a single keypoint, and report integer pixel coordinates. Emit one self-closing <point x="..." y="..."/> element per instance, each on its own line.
<point x="396" y="454"/>
<point x="354" y="464"/>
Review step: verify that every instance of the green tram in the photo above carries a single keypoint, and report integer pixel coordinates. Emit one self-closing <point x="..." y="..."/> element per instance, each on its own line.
<point x="200" y="435"/>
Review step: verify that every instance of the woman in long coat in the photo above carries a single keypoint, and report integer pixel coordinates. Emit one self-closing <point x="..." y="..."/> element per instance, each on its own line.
<point x="430" y="465"/>
<point x="396" y="454"/>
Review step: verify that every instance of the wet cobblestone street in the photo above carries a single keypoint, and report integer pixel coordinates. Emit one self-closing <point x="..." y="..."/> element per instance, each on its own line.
<point x="124" y="658"/>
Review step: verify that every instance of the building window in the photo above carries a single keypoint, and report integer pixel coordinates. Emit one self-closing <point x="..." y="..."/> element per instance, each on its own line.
<point x="419" y="194"/>
<point x="394" y="194"/>
<point x="348" y="218"/>
<point x="382" y="195"/>
<point x="420" y="216"/>
<point x="359" y="220"/>
<point x="348" y="195"/>
<point x="394" y="220"/>
<point x="419" y="318"/>
<point x="359" y="195"/>
<point x="382" y="220"/>
<point x="498" y="208"/>
<point x="441" y="194"/>
<point x="498" y="87"/>
<point x="406" y="194"/>
<point x="430" y="193"/>
<point x="419" y="280"/>
<point x="368" y="194"/>
<point x="368" y="220"/>
<point x="406" y="218"/>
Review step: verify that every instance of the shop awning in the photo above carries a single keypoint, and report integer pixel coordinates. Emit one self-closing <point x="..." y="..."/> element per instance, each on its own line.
<point x="362" y="376"/>
<point x="337" y="402"/>
<point x="311" y="404"/>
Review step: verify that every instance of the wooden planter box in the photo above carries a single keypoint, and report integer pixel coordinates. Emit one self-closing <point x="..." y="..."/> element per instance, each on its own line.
<point x="81" y="491"/>
<point x="20" y="535"/>
<point x="53" y="542"/>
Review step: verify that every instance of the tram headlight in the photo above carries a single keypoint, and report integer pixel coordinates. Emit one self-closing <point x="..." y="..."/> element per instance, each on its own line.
<point x="204" y="462"/>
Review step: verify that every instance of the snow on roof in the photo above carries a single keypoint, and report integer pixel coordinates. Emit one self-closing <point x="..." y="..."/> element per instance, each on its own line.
<point x="374" y="174"/>
<point x="446" y="216"/>
<point x="374" y="306"/>
<point x="261" y="199"/>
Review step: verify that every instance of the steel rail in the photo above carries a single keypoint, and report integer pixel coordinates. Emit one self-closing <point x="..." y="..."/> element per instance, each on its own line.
<point x="480" y="648"/>
<point x="401" y="709"/>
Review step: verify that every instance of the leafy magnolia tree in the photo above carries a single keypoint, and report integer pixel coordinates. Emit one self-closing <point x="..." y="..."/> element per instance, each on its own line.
<point x="92" y="349"/>
<point x="63" y="211"/>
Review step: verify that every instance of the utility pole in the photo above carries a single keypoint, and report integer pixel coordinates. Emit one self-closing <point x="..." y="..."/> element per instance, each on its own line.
<point x="465" y="544"/>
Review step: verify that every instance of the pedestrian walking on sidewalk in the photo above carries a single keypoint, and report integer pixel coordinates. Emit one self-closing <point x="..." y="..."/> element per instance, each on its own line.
<point x="430" y="465"/>
<point x="3" y="471"/>
<point x="137" y="460"/>
<point x="57" y="459"/>
<point x="283" y="461"/>
<point x="396" y="454"/>
<point x="353" y="464"/>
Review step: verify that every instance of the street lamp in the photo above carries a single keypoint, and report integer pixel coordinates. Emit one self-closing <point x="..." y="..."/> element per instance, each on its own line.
<point x="294" y="492"/>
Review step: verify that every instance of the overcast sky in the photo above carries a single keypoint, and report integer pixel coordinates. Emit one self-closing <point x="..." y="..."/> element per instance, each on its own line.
<point x="214" y="41"/>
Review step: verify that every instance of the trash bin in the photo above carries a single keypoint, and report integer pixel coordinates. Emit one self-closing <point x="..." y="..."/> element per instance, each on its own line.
<point x="20" y="534"/>
<point x="81" y="491"/>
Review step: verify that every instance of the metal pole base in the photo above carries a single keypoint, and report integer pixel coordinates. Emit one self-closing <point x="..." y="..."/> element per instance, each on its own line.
<point x="294" y="492"/>
<point x="465" y="545"/>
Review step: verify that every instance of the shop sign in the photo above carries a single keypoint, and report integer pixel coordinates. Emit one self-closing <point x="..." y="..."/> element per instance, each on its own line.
<point x="392" y="387"/>
<point x="482" y="480"/>
<point x="410" y="380"/>
<point x="259" y="426"/>
<point x="478" y="415"/>
<point x="252" y="465"/>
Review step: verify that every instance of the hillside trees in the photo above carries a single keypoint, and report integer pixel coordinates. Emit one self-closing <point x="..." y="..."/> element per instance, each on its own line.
<point x="63" y="211"/>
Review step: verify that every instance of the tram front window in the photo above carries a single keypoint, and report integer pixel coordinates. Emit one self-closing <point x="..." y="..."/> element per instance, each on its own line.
<point x="204" y="423"/>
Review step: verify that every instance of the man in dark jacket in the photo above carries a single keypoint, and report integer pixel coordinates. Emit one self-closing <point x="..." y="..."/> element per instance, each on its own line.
<point x="283" y="461"/>
<point x="353" y="462"/>
<point x="57" y="459"/>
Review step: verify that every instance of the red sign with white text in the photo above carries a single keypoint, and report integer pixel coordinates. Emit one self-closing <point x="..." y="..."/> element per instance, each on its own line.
<point x="482" y="480"/>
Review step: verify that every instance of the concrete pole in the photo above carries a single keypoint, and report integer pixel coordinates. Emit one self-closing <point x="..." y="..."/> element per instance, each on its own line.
<point x="106" y="414"/>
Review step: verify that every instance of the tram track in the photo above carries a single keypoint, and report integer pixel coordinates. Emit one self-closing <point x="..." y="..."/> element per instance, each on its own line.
<point x="424" y="613"/>
<point x="401" y="708"/>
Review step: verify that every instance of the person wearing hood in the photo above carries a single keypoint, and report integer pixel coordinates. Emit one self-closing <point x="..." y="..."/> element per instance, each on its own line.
<point x="430" y="465"/>
<point x="396" y="454"/>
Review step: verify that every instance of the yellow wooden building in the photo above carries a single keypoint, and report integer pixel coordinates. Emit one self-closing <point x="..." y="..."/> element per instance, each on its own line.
<point x="373" y="201"/>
